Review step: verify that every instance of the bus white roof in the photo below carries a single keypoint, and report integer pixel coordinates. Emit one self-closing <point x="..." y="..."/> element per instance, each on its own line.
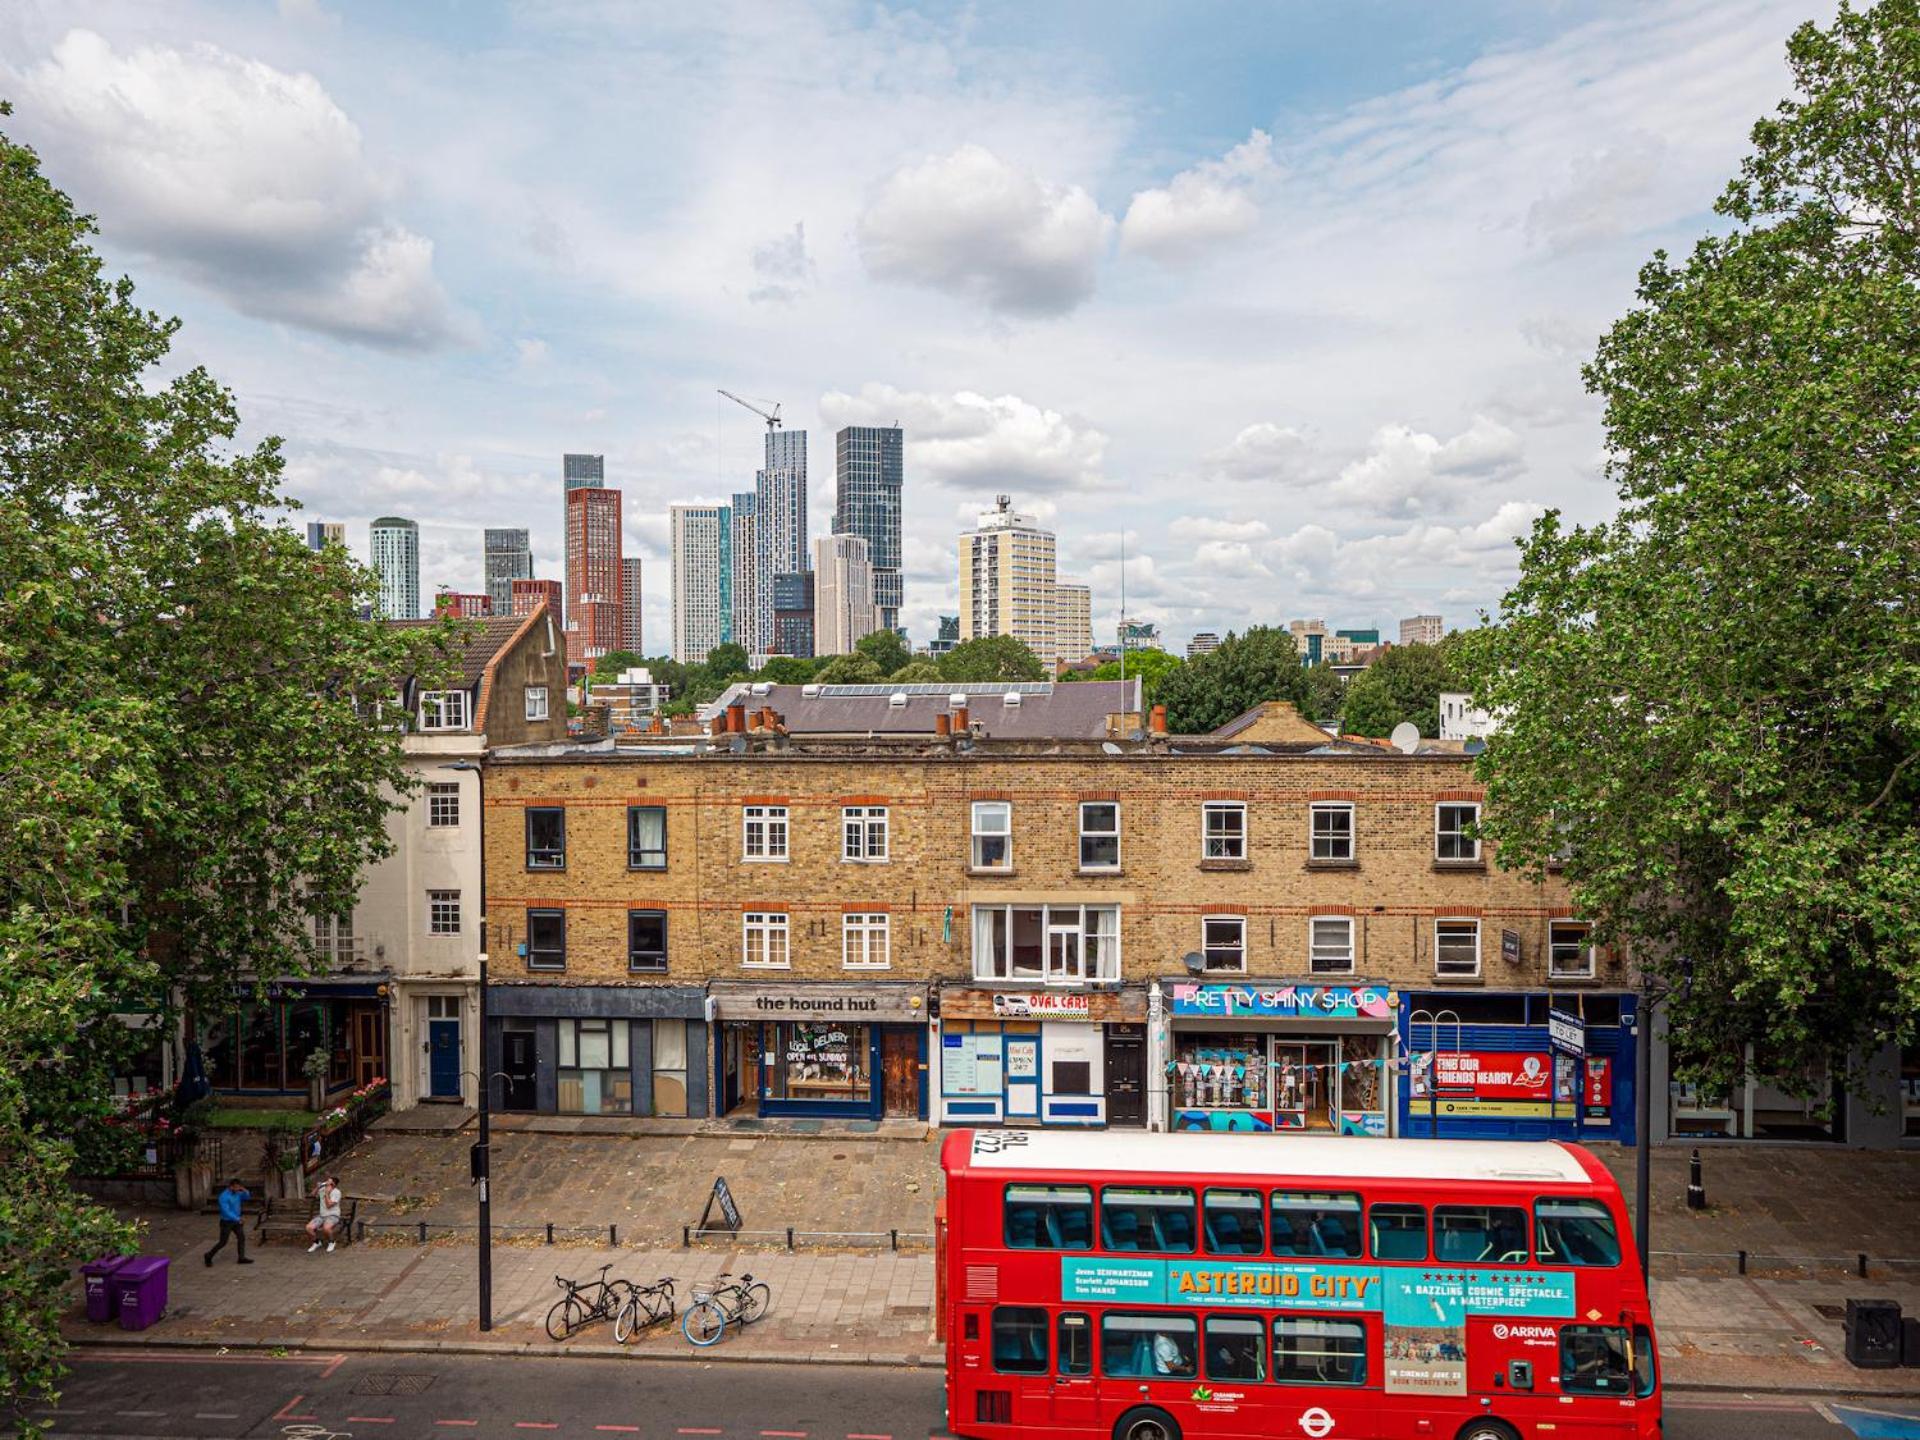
<point x="1277" y="1156"/>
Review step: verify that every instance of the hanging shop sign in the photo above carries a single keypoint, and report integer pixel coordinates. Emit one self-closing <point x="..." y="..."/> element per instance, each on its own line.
<point x="1042" y="1005"/>
<point x="1510" y="947"/>
<point x="1225" y="1001"/>
<point x="825" y="1001"/>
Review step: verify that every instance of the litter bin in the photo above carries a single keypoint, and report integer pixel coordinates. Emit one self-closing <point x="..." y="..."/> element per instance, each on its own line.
<point x="98" y="1275"/>
<point x="140" y="1286"/>
<point x="1873" y="1334"/>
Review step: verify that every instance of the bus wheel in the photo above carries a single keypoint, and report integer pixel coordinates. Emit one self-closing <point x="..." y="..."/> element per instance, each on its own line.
<point x="1487" y="1428"/>
<point x="1146" y="1423"/>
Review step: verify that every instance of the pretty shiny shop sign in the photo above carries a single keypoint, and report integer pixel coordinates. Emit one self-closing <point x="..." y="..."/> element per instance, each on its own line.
<point x="1310" y="1286"/>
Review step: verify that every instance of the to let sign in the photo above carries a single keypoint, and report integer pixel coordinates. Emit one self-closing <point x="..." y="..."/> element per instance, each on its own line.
<point x="1510" y="946"/>
<point x="1566" y="1033"/>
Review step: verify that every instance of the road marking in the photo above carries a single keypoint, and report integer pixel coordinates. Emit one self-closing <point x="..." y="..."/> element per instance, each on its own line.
<point x="370" y="1419"/>
<point x="697" y="1430"/>
<point x="536" y="1425"/>
<point x="174" y="1357"/>
<point x="786" y="1434"/>
<point x="1824" y="1413"/>
<point x="456" y="1422"/>
<point x="281" y="1414"/>
<point x="142" y="1414"/>
<point x="214" y="1415"/>
<point x="869" y="1437"/>
<point x="624" y="1429"/>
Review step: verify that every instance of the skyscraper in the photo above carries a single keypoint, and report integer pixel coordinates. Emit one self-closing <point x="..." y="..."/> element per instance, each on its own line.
<point x="1204" y="642"/>
<point x="843" y="609"/>
<point x="702" y="587"/>
<point x="1008" y="585"/>
<point x="752" y="583"/>
<point x="577" y="472"/>
<point x="1423" y="630"/>
<point x="529" y="595"/>
<point x="867" y="483"/>
<point x="509" y="558"/>
<point x="632" y="636"/>
<point x="325" y="532"/>
<point x="394" y="551"/>
<point x="593" y="571"/>
<point x="793" y="614"/>
<point x="1072" y="621"/>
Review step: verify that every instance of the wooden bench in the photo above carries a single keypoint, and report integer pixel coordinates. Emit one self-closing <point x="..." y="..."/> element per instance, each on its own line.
<point x="290" y="1217"/>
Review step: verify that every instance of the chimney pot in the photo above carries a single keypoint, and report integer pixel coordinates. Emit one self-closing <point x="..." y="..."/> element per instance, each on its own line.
<point x="1159" y="720"/>
<point x="737" y="718"/>
<point x="943" y="724"/>
<point x="960" y="720"/>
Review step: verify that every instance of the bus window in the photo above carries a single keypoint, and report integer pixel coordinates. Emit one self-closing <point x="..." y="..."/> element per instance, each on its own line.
<point x="1480" y="1234"/>
<point x="1020" y="1340"/>
<point x="1139" y="1217"/>
<point x="1049" y="1217"/>
<point x="1236" y="1348"/>
<point x="1574" y="1232"/>
<point x="1593" y="1360"/>
<point x="1319" y="1352"/>
<point x="1399" y="1232"/>
<point x="1076" y="1344"/>
<point x="1233" y="1223"/>
<point x="1147" y="1347"/>
<point x="1646" y="1365"/>
<point x="1312" y="1223"/>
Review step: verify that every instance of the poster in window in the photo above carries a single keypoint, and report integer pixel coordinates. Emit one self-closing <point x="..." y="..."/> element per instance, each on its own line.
<point x="1599" y="1088"/>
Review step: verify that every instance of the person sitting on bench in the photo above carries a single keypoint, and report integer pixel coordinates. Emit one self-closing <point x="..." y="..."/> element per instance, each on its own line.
<point x="325" y="1223"/>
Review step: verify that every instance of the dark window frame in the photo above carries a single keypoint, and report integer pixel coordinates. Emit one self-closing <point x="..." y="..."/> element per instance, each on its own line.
<point x="547" y="857"/>
<point x="1032" y="1319"/>
<point x="545" y="914"/>
<point x="634" y="950"/>
<point x="633" y="846"/>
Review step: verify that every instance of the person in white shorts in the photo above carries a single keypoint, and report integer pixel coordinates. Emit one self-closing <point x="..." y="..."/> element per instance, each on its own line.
<point x="326" y="1221"/>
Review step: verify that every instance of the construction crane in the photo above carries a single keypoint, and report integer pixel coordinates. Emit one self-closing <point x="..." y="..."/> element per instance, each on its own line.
<point x="772" y="417"/>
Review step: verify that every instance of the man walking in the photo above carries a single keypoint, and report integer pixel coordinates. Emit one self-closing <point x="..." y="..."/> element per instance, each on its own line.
<point x="231" y="1199"/>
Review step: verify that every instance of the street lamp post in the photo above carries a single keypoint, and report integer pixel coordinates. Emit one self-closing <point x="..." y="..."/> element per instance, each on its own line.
<point x="483" y="1149"/>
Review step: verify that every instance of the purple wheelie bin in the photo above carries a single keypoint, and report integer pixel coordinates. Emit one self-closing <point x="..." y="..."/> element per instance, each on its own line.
<point x="140" y="1285"/>
<point x="98" y="1275"/>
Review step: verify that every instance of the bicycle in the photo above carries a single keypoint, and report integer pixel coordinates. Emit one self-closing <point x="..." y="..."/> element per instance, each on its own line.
<point x="719" y="1305"/>
<point x="645" y="1307"/>
<point x="573" y="1312"/>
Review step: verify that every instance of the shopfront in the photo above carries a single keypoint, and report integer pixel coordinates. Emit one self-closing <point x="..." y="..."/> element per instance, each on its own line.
<point x="261" y="1045"/>
<point x="1271" y="1056"/>
<point x="1528" y="1066"/>
<point x="1043" y="1057"/>
<point x="598" y="1049"/>
<point x="852" y="1051"/>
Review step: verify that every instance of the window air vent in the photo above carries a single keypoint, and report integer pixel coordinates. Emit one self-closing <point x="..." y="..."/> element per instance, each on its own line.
<point x="983" y="1282"/>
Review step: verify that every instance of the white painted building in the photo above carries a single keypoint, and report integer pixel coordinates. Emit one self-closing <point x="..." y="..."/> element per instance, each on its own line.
<point x="1460" y="719"/>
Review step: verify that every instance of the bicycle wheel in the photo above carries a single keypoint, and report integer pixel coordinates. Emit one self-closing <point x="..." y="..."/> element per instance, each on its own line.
<point x="757" y="1301"/>
<point x="705" y="1323"/>
<point x="626" y="1320"/>
<point x="566" y="1316"/>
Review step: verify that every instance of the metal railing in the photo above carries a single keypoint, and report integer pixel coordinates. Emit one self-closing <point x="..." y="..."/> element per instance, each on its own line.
<point x="792" y="1237"/>
<point x="423" y="1232"/>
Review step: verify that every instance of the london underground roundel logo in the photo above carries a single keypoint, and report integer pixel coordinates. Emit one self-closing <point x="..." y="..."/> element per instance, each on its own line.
<point x="1316" y="1423"/>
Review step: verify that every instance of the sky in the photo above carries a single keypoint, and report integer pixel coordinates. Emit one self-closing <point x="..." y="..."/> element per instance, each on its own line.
<point x="1285" y="302"/>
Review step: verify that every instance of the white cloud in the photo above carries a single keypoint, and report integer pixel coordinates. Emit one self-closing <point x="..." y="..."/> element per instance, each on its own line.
<point x="1200" y="207"/>
<point x="1208" y="528"/>
<point x="973" y="441"/>
<point x="973" y="225"/>
<point x="1263" y="451"/>
<point x="782" y="268"/>
<point x="1606" y="194"/>
<point x="247" y="179"/>
<point x="1407" y="472"/>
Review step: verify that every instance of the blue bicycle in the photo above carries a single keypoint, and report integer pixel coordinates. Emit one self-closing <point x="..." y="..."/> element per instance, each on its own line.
<point x="726" y="1302"/>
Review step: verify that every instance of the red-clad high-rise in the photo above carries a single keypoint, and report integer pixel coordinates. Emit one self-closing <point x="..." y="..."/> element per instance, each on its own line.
<point x="593" y="572"/>
<point x="529" y="595"/>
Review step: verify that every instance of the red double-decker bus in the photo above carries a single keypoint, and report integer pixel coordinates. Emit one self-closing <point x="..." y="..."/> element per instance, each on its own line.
<point x="1149" y="1287"/>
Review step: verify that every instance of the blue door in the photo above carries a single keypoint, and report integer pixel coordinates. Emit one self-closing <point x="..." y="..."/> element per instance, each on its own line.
<point x="443" y="1059"/>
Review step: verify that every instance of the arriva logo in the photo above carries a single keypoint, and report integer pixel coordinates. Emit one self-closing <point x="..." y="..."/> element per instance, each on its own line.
<point x="1316" y="1423"/>
<point x="1504" y="1331"/>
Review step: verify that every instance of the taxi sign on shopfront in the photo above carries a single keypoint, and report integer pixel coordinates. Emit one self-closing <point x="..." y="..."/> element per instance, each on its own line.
<point x="1225" y="1001"/>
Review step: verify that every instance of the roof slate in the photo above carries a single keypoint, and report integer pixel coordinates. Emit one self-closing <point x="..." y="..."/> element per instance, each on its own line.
<point x="1046" y="711"/>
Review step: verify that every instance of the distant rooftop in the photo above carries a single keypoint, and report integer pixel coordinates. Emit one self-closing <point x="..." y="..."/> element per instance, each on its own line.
<point x="1023" y="709"/>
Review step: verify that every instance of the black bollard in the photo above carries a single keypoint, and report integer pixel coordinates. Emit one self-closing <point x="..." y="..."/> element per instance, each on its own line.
<point x="1696" y="1190"/>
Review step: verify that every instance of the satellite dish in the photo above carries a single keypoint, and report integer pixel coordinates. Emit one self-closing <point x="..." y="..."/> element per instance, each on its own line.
<point x="1110" y="748"/>
<point x="1405" y="737"/>
<point x="1473" y="746"/>
<point x="1194" y="961"/>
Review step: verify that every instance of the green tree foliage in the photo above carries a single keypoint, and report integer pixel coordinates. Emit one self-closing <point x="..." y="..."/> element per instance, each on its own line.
<point x="990" y="658"/>
<point x="1712" y="703"/>
<point x="788" y="670"/>
<point x="1402" y="685"/>
<point x="190" y="768"/>
<point x="923" y="671"/>
<point x="726" y="662"/>
<point x="1211" y="689"/>
<point x="885" y="648"/>
<point x="1326" y="693"/>
<point x="849" y="670"/>
<point x="609" y="665"/>
<point x="1148" y="666"/>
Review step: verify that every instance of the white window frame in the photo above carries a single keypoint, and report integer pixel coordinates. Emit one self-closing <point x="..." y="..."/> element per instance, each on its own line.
<point x="765" y="932"/>
<point x="536" y="702"/>
<point x="438" y="902"/>
<point x="976" y="834"/>
<point x="1099" y="928"/>
<point x="1113" y="834"/>
<point x="1471" y="841"/>
<point x="333" y="935"/>
<point x="865" y="834"/>
<point x="770" y="821"/>
<point x="1472" y="974"/>
<point x="1587" y="967"/>
<point x="866" y="940"/>
<point x="441" y="793"/>
<point x="1330" y="807"/>
<point x="1210" y="808"/>
<point x="1207" y="946"/>
<point x="449" y="709"/>
<point x="1315" y="954"/>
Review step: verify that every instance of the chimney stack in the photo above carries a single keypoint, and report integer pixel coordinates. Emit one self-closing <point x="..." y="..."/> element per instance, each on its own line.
<point x="736" y="719"/>
<point x="960" y="720"/>
<point x="1159" y="720"/>
<point x="943" y="725"/>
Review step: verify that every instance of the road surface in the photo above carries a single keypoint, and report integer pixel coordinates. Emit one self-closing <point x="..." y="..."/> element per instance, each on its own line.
<point x="135" y="1394"/>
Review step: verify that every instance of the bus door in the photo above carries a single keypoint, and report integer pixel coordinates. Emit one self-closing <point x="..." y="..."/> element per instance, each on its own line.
<point x="1076" y="1391"/>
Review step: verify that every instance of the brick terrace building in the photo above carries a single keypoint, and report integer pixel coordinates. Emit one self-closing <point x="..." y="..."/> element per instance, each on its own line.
<point x="1183" y="934"/>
